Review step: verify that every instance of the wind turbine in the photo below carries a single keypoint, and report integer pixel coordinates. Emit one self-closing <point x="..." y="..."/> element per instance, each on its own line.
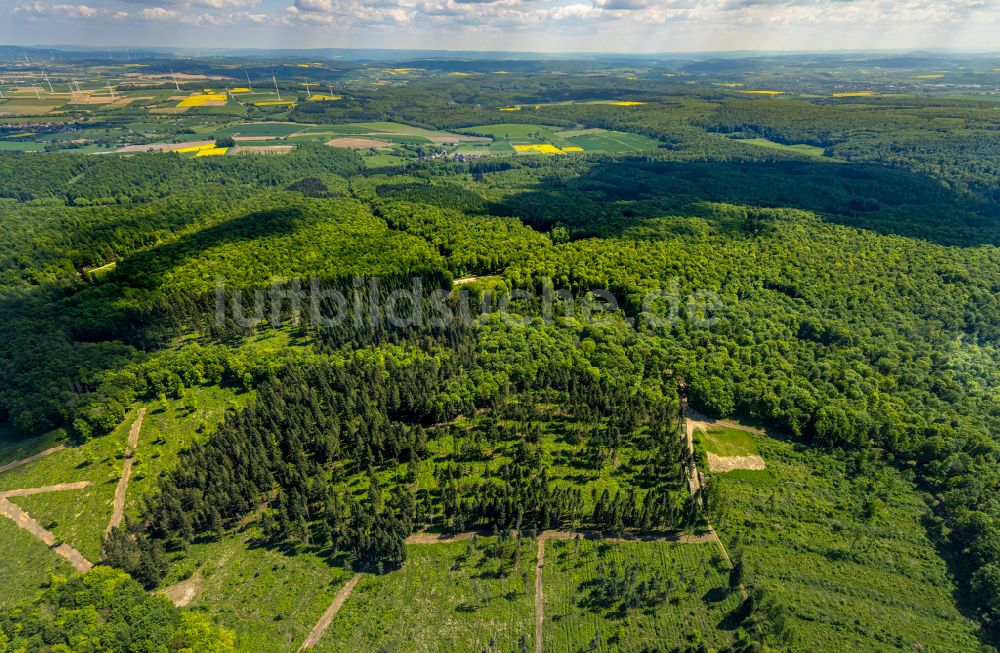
<point x="330" y="86"/>
<point x="276" y="86"/>
<point x="175" y="79"/>
<point x="249" y="85"/>
<point x="35" y="89"/>
<point x="110" y="88"/>
<point x="45" y="75"/>
<point x="307" y="85"/>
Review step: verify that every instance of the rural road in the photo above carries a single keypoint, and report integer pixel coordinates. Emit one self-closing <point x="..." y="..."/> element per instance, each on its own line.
<point x="133" y="441"/>
<point x="324" y="622"/>
<point x="25" y="521"/>
<point x="29" y="459"/>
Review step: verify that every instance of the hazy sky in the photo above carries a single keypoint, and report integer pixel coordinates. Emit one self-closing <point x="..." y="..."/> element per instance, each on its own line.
<point x="533" y="25"/>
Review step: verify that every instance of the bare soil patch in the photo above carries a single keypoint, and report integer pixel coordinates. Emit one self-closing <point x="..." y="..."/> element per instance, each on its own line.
<point x="722" y="464"/>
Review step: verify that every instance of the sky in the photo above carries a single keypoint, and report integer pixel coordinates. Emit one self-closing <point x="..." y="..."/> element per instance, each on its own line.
<point x="629" y="26"/>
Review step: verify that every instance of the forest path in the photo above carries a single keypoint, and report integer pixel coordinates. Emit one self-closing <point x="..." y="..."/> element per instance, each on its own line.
<point x="324" y="621"/>
<point x="586" y="534"/>
<point x="118" y="512"/>
<point x="76" y="485"/>
<point x="30" y="459"/>
<point x="539" y="594"/>
<point x="25" y="521"/>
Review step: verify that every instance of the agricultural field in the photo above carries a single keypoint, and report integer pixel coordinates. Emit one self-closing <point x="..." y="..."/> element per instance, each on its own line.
<point x="465" y="597"/>
<point x="688" y="600"/>
<point x="543" y="139"/>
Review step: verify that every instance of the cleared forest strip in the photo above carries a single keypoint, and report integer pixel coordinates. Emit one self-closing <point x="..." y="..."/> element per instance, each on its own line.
<point x="539" y="595"/>
<point x="25" y="521"/>
<point x="29" y="459"/>
<point x="118" y="511"/>
<point x="76" y="485"/>
<point x="324" y="621"/>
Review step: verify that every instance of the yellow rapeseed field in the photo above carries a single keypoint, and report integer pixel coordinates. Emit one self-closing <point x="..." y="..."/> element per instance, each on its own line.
<point x="271" y="103"/>
<point x="239" y="89"/>
<point x="855" y="94"/>
<point x="200" y="100"/>
<point x="212" y="151"/>
<point x="764" y="92"/>
<point x="323" y="97"/>
<point x="626" y="103"/>
<point x="510" y="108"/>
<point x="193" y="148"/>
<point x="541" y="148"/>
<point x="572" y="149"/>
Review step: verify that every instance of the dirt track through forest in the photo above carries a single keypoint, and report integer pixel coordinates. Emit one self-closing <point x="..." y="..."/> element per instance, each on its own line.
<point x="29" y="459"/>
<point x="539" y="595"/>
<point x="118" y="512"/>
<point x="25" y="521"/>
<point x="324" y="621"/>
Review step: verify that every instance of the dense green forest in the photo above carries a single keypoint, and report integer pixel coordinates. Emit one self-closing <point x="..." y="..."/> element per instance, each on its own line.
<point x="849" y="301"/>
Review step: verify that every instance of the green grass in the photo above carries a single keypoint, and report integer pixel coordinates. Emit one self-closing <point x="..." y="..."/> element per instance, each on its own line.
<point x="694" y="597"/>
<point x="79" y="517"/>
<point x="21" y="146"/>
<point x="270" y="598"/>
<point x="446" y="597"/>
<point x="27" y="564"/>
<point x="14" y="447"/>
<point x="848" y="584"/>
<point x="724" y="441"/>
<point x="613" y="142"/>
<point x="591" y="140"/>
<point x="516" y="132"/>
<point x="801" y="148"/>
<point x="275" y="129"/>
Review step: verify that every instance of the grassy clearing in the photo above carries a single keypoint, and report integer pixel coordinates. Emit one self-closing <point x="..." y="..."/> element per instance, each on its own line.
<point x="268" y="597"/>
<point x="723" y="441"/>
<point x="693" y="599"/>
<point x="446" y="597"/>
<point x="801" y="148"/>
<point x="27" y="564"/>
<point x="849" y="582"/>
<point x="590" y="140"/>
<point x="79" y="517"/>
<point x="13" y="447"/>
<point x="274" y="129"/>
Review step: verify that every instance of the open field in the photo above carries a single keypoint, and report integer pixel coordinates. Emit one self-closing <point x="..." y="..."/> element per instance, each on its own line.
<point x="79" y="517"/>
<point x="691" y="596"/>
<point x="447" y="597"/>
<point x="800" y="148"/>
<point x="849" y="582"/>
<point x="270" y="597"/>
<point x="586" y="140"/>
